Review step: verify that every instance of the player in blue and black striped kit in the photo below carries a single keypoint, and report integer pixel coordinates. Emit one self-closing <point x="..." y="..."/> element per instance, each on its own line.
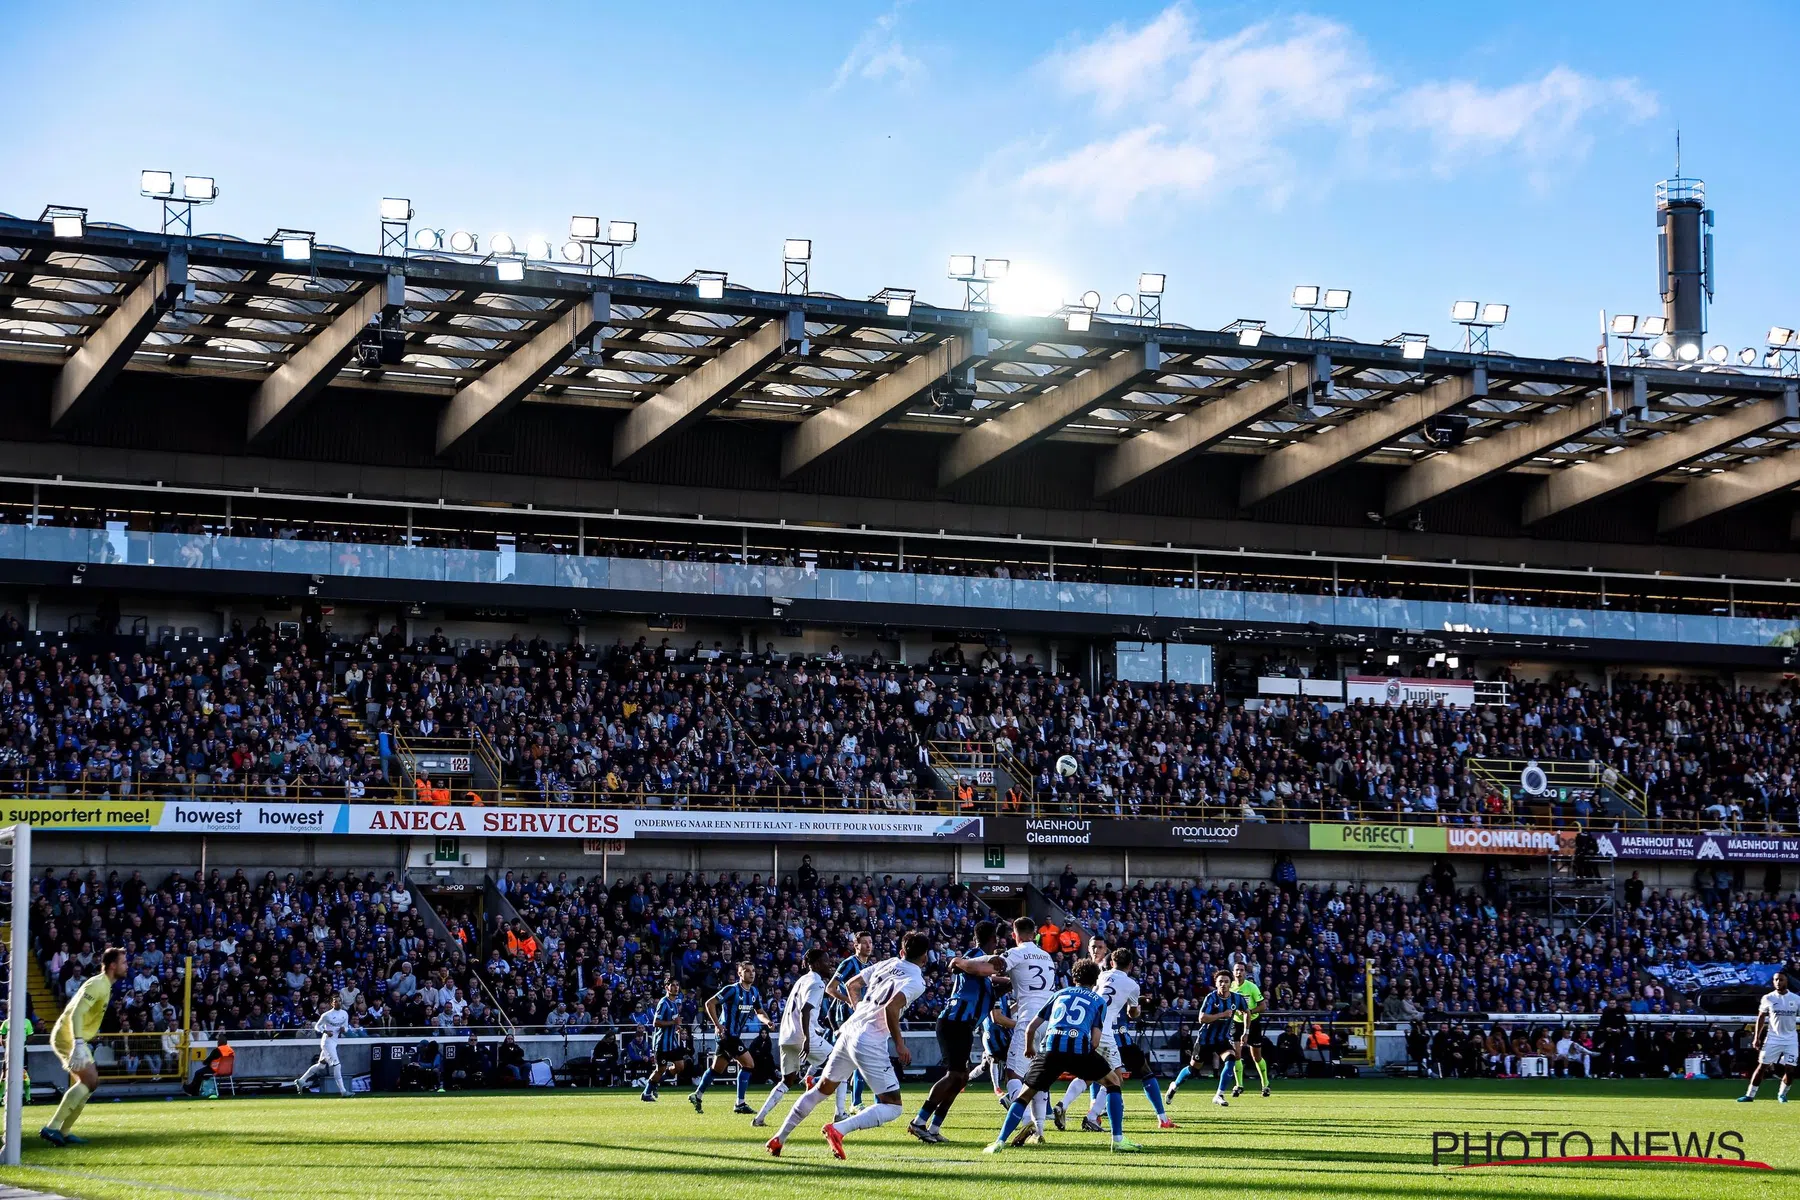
<point x="730" y="1010"/>
<point x="971" y="998"/>
<point x="1218" y="1013"/>
<point x="665" y="1041"/>
<point x="996" y="1037"/>
<point x="1061" y="1038"/>
<point x="838" y="1010"/>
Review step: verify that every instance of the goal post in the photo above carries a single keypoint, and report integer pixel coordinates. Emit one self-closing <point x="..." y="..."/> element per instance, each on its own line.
<point x="15" y="858"/>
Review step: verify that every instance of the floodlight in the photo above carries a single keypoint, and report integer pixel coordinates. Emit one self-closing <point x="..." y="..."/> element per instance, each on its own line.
<point x="1718" y="354"/>
<point x="1078" y="320"/>
<point x="202" y="188"/>
<point x="1493" y="314"/>
<point x="463" y="242"/>
<point x="537" y="246"/>
<point x="393" y="209"/>
<point x="1250" y="334"/>
<point x="502" y="243"/>
<point x="510" y="270"/>
<point x="1090" y="299"/>
<point x="1413" y="348"/>
<point x="66" y="225"/>
<point x="899" y="306"/>
<point x="1150" y="283"/>
<point x="1452" y="661"/>
<point x="1688" y="352"/>
<point x="1780" y="335"/>
<point x="710" y="287"/>
<point x="584" y="229"/>
<point x="1654" y="326"/>
<point x="1624" y="323"/>
<point x="621" y="233"/>
<point x="995" y="268"/>
<point x="1464" y="310"/>
<point x="1336" y="299"/>
<point x="156" y="183"/>
<point x="1124" y="303"/>
<point x="428" y="239"/>
<point x="796" y="250"/>
<point x="1747" y="356"/>
<point x="1661" y="349"/>
<point x="573" y="252"/>
<point x="296" y="248"/>
<point x="1305" y="296"/>
<point x="962" y="266"/>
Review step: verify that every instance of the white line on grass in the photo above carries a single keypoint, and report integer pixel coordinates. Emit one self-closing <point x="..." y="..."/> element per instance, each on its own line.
<point x="136" y="1183"/>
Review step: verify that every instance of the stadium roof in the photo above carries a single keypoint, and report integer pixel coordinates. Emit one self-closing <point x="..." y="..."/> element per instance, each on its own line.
<point x="115" y="299"/>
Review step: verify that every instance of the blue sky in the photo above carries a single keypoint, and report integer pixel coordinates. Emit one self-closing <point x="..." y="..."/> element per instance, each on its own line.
<point x="1414" y="153"/>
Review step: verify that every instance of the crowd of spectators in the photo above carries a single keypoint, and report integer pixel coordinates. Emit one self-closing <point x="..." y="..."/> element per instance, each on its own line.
<point x="270" y="950"/>
<point x="258" y="714"/>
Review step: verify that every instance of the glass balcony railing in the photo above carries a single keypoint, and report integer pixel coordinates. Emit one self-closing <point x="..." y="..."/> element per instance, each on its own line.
<point x="976" y="593"/>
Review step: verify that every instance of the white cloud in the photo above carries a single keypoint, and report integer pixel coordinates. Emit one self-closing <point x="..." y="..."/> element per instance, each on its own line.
<point x="879" y="54"/>
<point x="1171" y="113"/>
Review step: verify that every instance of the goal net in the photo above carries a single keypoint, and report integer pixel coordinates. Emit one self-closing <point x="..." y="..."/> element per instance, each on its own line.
<point x="15" y="897"/>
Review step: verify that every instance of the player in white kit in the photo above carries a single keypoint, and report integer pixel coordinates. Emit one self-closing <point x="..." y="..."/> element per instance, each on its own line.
<point x="330" y="1026"/>
<point x="1777" y="1038"/>
<point x="1033" y="975"/>
<point x="882" y="993"/>
<point x="803" y="1041"/>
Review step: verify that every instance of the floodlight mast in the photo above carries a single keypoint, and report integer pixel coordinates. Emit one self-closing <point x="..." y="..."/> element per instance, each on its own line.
<point x="1319" y="304"/>
<point x="599" y="247"/>
<point x="178" y="207"/>
<point x="977" y="279"/>
<point x="796" y="263"/>
<point x="396" y="226"/>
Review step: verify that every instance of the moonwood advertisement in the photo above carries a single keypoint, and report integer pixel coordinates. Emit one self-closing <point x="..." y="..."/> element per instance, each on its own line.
<point x="377" y="820"/>
<point x="1118" y="833"/>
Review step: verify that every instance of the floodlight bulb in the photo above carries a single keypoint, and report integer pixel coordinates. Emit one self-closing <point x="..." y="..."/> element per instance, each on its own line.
<point x="1654" y="326"/>
<point x="66" y="226"/>
<point x="899" y="306"/>
<point x="584" y="228"/>
<point x="1336" y="299"/>
<point x="1493" y="314"/>
<point x="1464" y="310"/>
<point x="502" y="243"/>
<point x="199" y="187"/>
<point x="394" y="209"/>
<point x="537" y="246"/>
<point x="1661" y="349"/>
<point x="1689" y="352"/>
<point x="1124" y="304"/>
<point x="1090" y="299"/>
<point x="621" y="233"/>
<point x="1747" y="356"/>
<point x="157" y="183"/>
<point x="1414" y="349"/>
<point x="962" y="266"/>
<point x="296" y="249"/>
<point x="509" y="270"/>
<point x="463" y="242"/>
<point x="1150" y="283"/>
<point x="1306" y="296"/>
<point x="995" y="268"/>
<point x="1718" y="354"/>
<point x="1624" y="323"/>
<point x="1079" y="321"/>
<point x="1780" y="335"/>
<point x="710" y="287"/>
<point x="796" y="250"/>
<point x="573" y="252"/>
<point x="1250" y="335"/>
<point x="428" y="239"/>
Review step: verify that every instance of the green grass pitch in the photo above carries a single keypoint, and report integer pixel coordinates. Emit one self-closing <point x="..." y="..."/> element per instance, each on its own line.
<point x="1323" y="1140"/>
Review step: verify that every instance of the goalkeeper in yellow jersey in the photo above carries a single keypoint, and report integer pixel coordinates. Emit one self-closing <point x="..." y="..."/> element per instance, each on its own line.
<point x="70" y="1038"/>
